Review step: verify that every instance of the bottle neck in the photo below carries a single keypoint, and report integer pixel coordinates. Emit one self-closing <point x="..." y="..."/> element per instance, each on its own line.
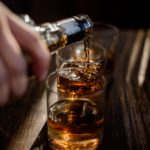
<point x="75" y="27"/>
<point x="62" y="32"/>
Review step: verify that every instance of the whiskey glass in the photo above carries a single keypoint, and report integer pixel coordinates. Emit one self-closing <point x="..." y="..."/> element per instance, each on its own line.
<point x="80" y="71"/>
<point x="72" y="124"/>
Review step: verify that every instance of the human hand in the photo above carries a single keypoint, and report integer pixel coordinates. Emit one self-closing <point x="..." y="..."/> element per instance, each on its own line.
<point x="15" y="35"/>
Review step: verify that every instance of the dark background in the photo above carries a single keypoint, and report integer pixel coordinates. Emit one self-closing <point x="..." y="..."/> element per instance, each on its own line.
<point x="122" y="13"/>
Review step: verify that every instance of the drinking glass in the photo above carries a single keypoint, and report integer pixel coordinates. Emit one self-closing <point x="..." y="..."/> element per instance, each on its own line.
<point x="75" y="103"/>
<point x="73" y="124"/>
<point x="80" y="71"/>
<point x="105" y="34"/>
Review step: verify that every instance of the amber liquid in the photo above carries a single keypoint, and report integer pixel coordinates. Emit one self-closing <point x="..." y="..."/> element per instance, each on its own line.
<point x="75" y="125"/>
<point x="61" y="43"/>
<point x="80" y="79"/>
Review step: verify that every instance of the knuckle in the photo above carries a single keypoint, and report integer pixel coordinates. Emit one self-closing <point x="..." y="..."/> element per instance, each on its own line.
<point x="18" y="66"/>
<point x="35" y="38"/>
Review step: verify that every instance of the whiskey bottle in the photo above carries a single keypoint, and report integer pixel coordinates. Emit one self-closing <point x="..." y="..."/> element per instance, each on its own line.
<point x="62" y="32"/>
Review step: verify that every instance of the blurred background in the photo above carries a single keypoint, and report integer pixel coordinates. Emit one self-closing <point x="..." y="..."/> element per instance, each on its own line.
<point x="122" y="13"/>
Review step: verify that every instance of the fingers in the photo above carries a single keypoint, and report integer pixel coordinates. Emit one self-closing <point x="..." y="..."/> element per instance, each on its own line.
<point x="14" y="35"/>
<point x="33" y="45"/>
<point x="13" y="61"/>
<point x="31" y="42"/>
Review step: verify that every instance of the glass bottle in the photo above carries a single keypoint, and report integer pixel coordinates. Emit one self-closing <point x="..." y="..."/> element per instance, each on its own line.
<point x="62" y="32"/>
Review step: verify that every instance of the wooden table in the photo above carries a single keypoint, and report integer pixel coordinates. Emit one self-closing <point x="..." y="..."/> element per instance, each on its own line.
<point x="127" y="117"/>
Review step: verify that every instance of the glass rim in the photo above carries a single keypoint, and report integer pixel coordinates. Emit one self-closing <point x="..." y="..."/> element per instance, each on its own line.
<point x="105" y="24"/>
<point x="80" y="42"/>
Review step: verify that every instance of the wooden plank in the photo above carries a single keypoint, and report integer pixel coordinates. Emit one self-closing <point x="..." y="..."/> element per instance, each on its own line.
<point x="124" y="125"/>
<point x="144" y="60"/>
<point x="31" y="127"/>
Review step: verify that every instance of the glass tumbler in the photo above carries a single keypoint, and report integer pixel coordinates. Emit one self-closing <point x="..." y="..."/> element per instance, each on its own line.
<point x="80" y="71"/>
<point x="72" y="124"/>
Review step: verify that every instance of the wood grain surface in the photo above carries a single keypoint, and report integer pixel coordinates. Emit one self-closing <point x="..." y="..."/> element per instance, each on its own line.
<point x="127" y="116"/>
<point x="127" y="120"/>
